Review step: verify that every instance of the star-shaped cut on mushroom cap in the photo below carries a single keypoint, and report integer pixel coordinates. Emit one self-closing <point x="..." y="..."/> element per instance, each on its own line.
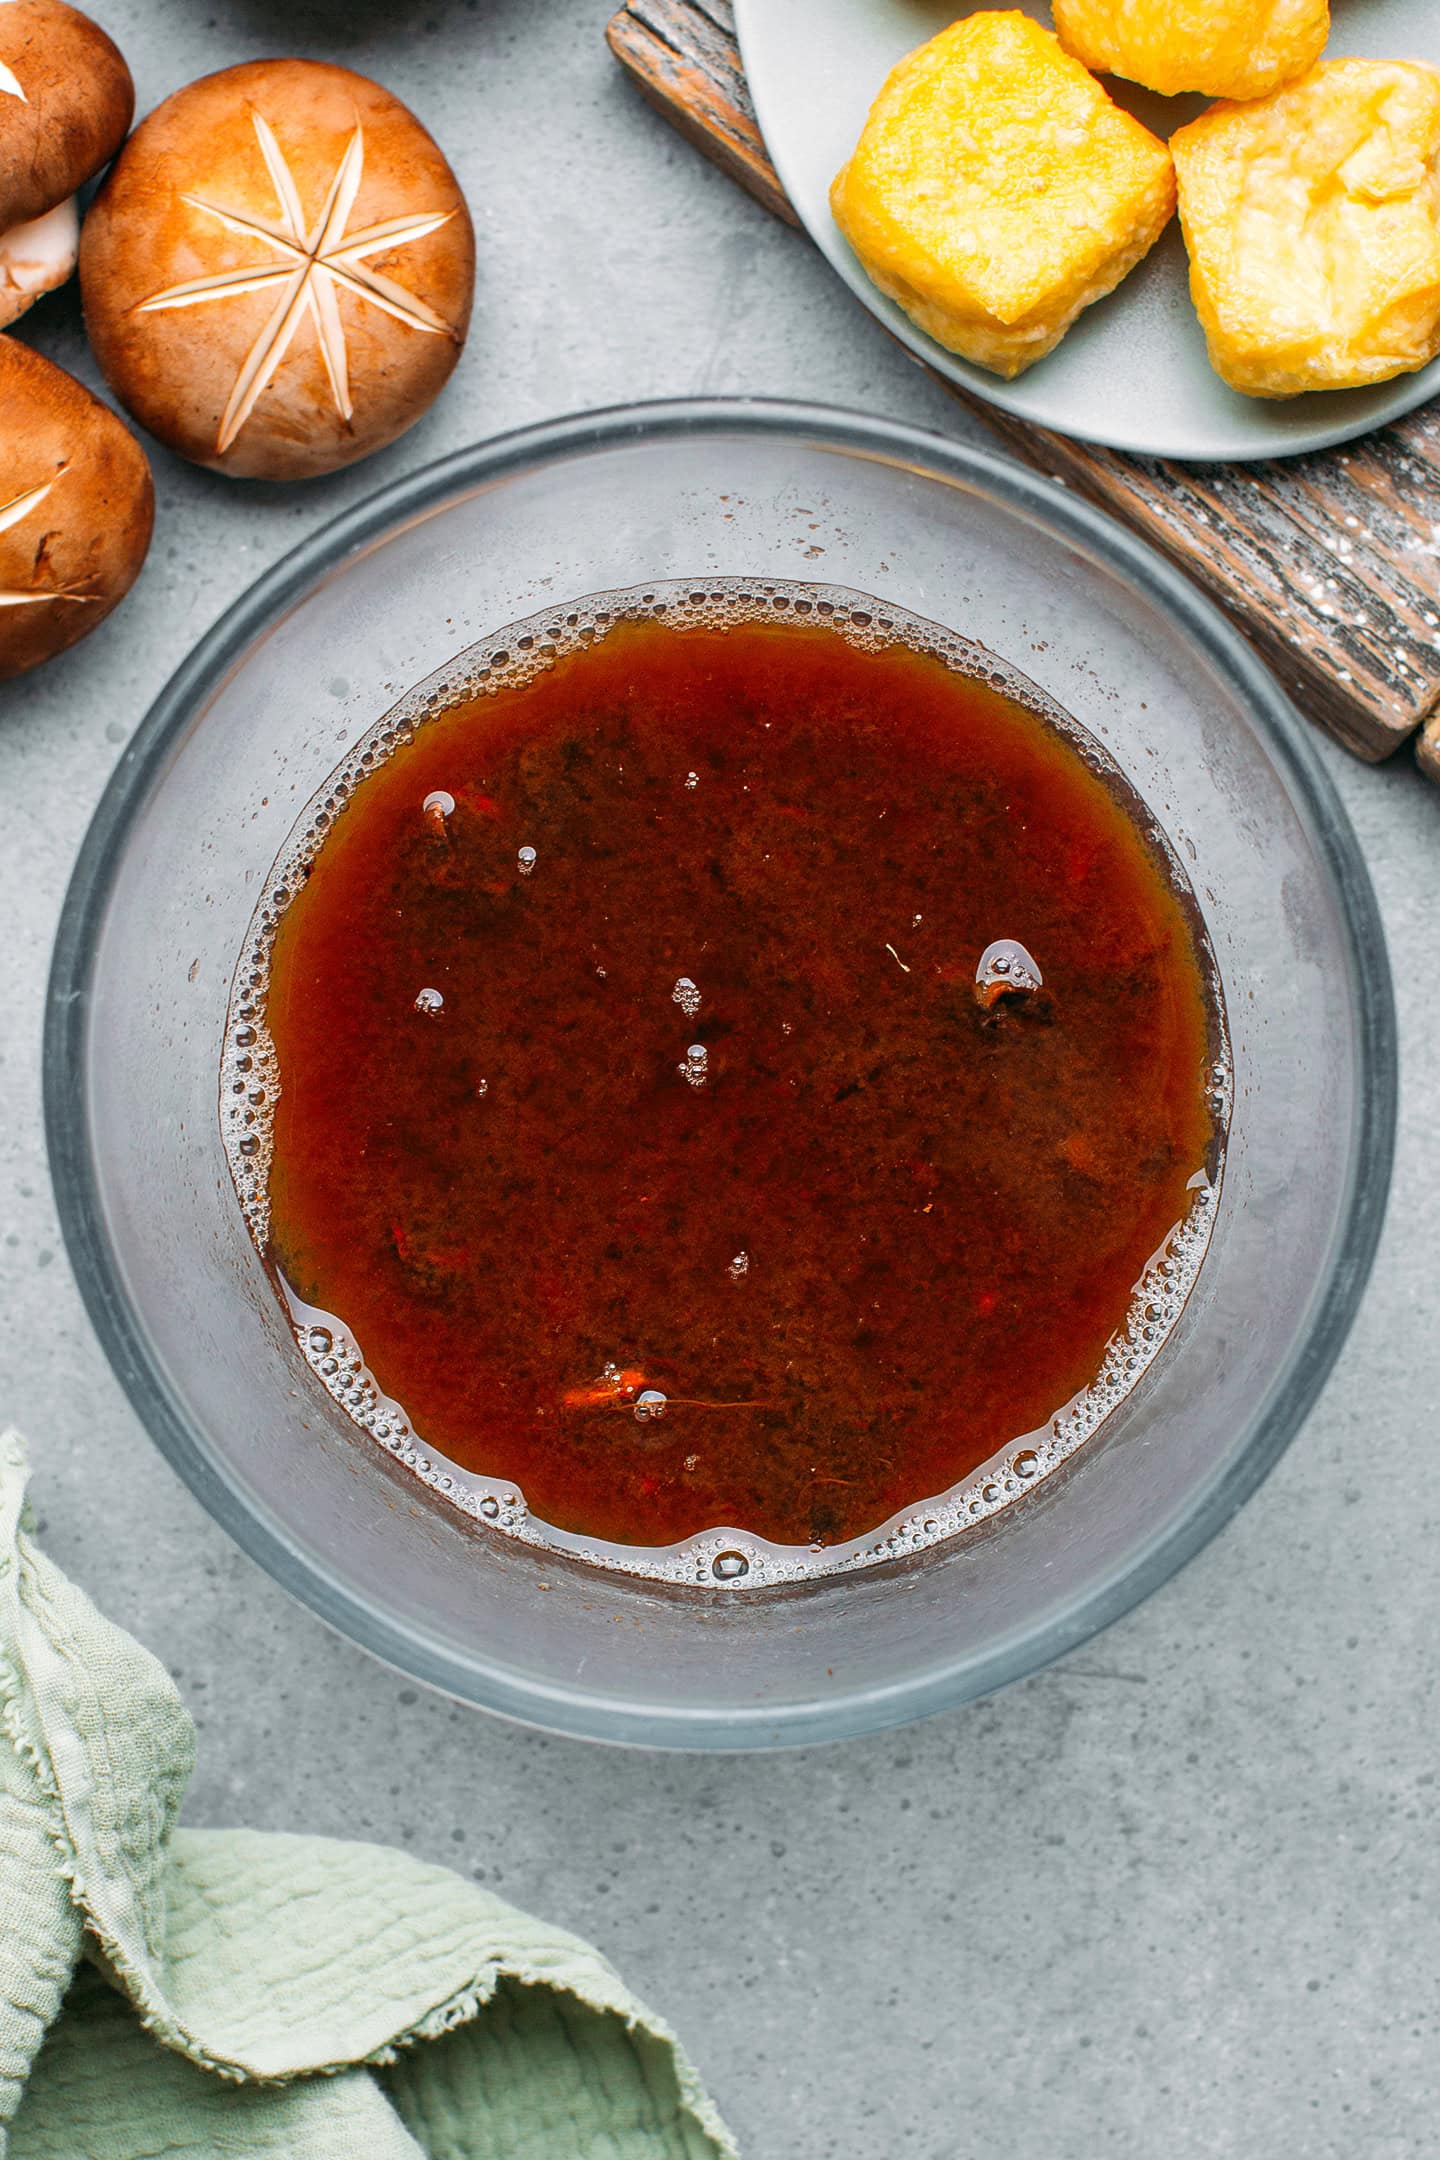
<point x="11" y="513"/>
<point x="311" y="268"/>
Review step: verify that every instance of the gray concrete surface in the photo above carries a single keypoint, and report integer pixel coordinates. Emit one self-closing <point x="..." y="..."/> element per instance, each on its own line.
<point x="1177" y="1896"/>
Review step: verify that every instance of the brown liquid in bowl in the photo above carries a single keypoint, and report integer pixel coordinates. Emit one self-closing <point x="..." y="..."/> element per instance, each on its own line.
<point x="858" y="1225"/>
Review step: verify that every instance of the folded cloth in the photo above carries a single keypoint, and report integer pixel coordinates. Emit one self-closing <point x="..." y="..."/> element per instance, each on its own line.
<point x="176" y="1994"/>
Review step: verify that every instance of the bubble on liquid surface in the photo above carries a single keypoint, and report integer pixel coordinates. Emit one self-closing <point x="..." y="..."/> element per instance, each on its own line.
<point x="1006" y="969"/>
<point x="505" y="661"/>
<point x="696" y="1065"/>
<point x="429" y="1001"/>
<point x="686" y="996"/>
<point x="739" y="1266"/>
<point x="439" y="804"/>
<point x="339" y="1365"/>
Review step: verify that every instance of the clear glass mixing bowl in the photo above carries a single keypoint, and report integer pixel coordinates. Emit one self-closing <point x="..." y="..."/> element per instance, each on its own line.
<point x="265" y="708"/>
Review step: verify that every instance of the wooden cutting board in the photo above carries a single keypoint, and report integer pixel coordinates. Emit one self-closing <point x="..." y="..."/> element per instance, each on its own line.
<point x="1330" y="563"/>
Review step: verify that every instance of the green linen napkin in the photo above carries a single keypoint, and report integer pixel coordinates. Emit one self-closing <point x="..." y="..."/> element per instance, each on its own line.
<point x="173" y="1994"/>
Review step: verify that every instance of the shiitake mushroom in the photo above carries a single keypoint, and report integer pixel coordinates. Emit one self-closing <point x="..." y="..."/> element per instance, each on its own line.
<point x="76" y="509"/>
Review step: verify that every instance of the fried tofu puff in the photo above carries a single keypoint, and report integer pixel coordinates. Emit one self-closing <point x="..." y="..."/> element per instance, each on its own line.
<point x="1224" y="48"/>
<point x="996" y="191"/>
<point x="1312" y="218"/>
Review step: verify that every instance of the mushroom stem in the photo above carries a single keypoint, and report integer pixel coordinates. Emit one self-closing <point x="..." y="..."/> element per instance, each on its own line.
<point x="36" y="257"/>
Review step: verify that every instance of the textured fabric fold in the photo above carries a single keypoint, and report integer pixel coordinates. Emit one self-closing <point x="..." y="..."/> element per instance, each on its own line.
<point x="167" y="1993"/>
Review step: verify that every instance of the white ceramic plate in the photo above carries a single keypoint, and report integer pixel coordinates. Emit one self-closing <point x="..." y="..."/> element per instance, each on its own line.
<point x="1133" y="372"/>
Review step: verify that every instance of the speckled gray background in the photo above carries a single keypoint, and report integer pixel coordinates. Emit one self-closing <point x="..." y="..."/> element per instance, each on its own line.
<point x="1176" y="1896"/>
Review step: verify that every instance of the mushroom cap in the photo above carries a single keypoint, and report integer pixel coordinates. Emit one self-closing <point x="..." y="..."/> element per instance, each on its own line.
<point x="277" y="274"/>
<point x="66" y="101"/>
<point x="76" y="508"/>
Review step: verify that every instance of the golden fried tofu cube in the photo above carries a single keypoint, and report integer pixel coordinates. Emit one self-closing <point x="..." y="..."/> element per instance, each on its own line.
<point x="996" y="190"/>
<point x="1311" y="220"/>
<point x="1225" y="48"/>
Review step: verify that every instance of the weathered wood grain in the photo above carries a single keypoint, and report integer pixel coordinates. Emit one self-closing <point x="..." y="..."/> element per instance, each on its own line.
<point x="1427" y="748"/>
<point x="683" y="56"/>
<point x="1330" y="563"/>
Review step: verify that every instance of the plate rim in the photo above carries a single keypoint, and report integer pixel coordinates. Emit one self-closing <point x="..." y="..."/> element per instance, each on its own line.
<point x="1405" y="394"/>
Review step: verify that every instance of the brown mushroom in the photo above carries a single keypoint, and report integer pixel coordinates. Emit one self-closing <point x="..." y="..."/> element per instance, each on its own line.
<point x="76" y="508"/>
<point x="278" y="272"/>
<point x="66" y="100"/>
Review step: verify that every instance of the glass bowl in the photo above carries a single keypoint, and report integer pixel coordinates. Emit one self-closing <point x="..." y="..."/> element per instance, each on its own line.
<point x="266" y="706"/>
